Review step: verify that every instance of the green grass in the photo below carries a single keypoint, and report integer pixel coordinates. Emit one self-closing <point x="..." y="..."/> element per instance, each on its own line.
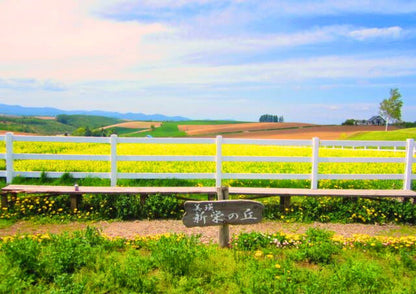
<point x="34" y="125"/>
<point x="403" y="230"/>
<point x="63" y="124"/>
<point x="396" y="135"/>
<point x="5" y="223"/>
<point x="167" y="129"/>
<point x="124" y="131"/>
<point x="87" y="262"/>
<point x="91" y="121"/>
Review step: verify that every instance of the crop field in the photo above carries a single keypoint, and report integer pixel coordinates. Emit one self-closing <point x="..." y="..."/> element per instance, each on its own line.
<point x="194" y="130"/>
<point x="208" y="167"/>
<point x="323" y="132"/>
<point x="281" y="130"/>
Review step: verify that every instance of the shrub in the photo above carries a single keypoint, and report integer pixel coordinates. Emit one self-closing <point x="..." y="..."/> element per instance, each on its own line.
<point x="317" y="246"/>
<point x="176" y="253"/>
<point x="158" y="206"/>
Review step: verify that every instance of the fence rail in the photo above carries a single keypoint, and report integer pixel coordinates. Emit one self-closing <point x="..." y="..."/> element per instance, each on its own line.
<point x="407" y="146"/>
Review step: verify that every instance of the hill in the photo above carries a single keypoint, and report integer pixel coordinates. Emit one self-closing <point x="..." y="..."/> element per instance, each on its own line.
<point x="194" y="130"/>
<point x="33" y="125"/>
<point x="49" y="111"/>
<point x="394" y="135"/>
<point x="173" y="129"/>
<point x="63" y="124"/>
<point x="91" y="121"/>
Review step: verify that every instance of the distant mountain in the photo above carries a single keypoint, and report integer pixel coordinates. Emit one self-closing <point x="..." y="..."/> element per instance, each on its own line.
<point x="49" y="111"/>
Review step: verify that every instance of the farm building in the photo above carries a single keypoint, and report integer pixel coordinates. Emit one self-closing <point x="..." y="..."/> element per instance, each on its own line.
<point x="376" y="121"/>
<point x="373" y="121"/>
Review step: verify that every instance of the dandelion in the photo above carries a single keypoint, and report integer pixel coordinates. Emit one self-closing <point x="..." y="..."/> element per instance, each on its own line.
<point x="277" y="266"/>
<point x="258" y="254"/>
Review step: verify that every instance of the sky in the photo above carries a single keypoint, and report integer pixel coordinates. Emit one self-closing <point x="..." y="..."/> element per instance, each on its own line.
<point x="308" y="61"/>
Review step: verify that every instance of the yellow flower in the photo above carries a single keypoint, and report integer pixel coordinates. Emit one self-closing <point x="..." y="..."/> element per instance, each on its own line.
<point x="277" y="265"/>
<point x="258" y="254"/>
<point x="270" y="256"/>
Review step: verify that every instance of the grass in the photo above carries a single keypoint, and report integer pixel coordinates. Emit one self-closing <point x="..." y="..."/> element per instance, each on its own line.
<point x="34" y="125"/>
<point x="5" y="223"/>
<point x="124" y="132"/>
<point x="63" y="123"/>
<point x="396" y="135"/>
<point x="88" y="262"/>
<point x="403" y="230"/>
<point x="167" y="129"/>
<point x="91" y="121"/>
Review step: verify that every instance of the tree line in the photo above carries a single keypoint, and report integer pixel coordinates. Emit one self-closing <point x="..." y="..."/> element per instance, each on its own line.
<point x="271" y="118"/>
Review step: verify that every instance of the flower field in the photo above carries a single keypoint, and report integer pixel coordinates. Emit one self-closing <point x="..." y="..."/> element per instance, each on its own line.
<point x="200" y="167"/>
<point x="130" y="207"/>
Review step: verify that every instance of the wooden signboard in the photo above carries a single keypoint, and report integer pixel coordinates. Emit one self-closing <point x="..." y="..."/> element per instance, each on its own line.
<point x="223" y="212"/>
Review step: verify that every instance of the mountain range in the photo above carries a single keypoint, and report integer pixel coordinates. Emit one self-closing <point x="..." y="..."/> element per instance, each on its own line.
<point x="49" y="111"/>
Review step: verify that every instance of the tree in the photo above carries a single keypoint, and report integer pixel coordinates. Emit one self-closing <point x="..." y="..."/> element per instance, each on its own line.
<point x="349" y="122"/>
<point x="270" y="118"/>
<point x="391" y="108"/>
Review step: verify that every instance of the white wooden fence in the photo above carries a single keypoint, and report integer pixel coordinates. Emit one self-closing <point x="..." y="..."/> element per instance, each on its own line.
<point x="408" y="146"/>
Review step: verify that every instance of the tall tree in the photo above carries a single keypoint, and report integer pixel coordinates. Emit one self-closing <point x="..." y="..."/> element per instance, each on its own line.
<point x="391" y="108"/>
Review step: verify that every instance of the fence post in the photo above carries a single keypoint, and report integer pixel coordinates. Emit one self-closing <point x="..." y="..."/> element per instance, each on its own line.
<point x="113" y="160"/>
<point x="315" y="161"/>
<point x="9" y="157"/>
<point x="218" y="162"/>
<point x="407" y="184"/>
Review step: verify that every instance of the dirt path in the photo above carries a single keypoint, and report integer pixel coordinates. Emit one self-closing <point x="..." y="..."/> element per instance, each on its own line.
<point x="130" y="229"/>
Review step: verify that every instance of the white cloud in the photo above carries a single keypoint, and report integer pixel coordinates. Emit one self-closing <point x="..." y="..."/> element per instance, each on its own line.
<point x="371" y="33"/>
<point x="288" y="71"/>
<point x="59" y="39"/>
<point x="281" y="7"/>
<point x="335" y="7"/>
<point x="181" y="45"/>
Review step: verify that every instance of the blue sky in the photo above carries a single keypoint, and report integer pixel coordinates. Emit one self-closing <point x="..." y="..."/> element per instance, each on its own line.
<point x="310" y="61"/>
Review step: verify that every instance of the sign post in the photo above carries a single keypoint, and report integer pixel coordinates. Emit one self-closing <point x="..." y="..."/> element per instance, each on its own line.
<point x="224" y="232"/>
<point x="222" y="213"/>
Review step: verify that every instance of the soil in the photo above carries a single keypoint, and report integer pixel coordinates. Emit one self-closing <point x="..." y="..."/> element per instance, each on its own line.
<point x="130" y="229"/>
<point x="193" y="130"/>
<point x="278" y="130"/>
<point x="322" y="132"/>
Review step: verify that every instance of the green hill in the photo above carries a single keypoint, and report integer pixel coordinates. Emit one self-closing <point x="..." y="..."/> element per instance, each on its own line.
<point x="90" y="121"/>
<point x="396" y="135"/>
<point x="34" y="125"/>
<point x="61" y="125"/>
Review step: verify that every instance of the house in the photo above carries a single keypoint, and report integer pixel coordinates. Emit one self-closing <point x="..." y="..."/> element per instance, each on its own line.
<point x="376" y="121"/>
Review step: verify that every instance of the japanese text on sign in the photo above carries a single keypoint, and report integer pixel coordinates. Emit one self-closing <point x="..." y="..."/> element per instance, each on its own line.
<point x="206" y="213"/>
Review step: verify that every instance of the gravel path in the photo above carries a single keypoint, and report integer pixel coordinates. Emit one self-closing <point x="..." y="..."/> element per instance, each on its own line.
<point x="130" y="229"/>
